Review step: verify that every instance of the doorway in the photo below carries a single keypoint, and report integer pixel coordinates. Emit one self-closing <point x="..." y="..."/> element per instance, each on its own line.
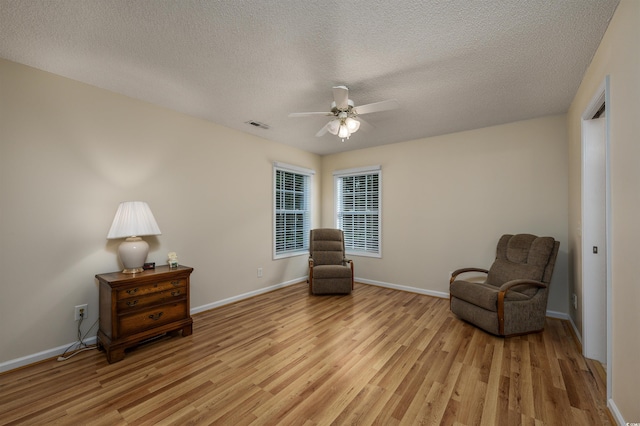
<point x="596" y="227"/>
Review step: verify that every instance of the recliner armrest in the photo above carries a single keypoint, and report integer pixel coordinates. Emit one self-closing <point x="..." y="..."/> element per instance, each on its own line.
<point x="514" y="283"/>
<point x="457" y="272"/>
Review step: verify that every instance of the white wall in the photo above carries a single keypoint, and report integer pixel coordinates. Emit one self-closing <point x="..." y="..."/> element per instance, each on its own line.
<point x="69" y="153"/>
<point x="446" y="201"/>
<point x="619" y="57"/>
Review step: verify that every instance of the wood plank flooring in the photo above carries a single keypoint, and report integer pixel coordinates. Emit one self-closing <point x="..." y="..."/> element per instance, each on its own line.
<point x="378" y="356"/>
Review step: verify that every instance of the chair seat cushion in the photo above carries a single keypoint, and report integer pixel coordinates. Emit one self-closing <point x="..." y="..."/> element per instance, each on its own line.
<point x="482" y="294"/>
<point x="331" y="271"/>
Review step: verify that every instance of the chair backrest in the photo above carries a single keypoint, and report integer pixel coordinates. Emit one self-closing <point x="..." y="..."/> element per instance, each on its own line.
<point x="523" y="256"/>
<point x="326" y="246"/>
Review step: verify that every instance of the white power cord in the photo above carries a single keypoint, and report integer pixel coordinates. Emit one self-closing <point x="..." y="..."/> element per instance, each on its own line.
<point x="80" y="343"/>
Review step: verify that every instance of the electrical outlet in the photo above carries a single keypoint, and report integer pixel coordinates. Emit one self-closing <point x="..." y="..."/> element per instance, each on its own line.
<point x="259" y="272"/>
<point x="80" y="311"/>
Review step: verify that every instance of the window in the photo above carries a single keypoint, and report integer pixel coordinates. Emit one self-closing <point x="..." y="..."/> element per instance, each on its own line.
<point x="358" y="209"/>
<point x="292" y="210"/>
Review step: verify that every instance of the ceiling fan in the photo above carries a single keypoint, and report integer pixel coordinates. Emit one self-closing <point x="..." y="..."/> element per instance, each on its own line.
<point x="345" y="112"/>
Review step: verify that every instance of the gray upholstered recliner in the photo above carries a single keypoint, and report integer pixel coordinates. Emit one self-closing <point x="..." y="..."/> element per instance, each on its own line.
<point x="513" y="298"/>
<point x="330" y="272"/>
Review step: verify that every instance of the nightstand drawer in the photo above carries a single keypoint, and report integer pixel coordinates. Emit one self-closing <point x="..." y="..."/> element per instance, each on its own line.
<point x="152" y="317"/>
<point x="143" y="290"/>
<point x="152" y="299"/>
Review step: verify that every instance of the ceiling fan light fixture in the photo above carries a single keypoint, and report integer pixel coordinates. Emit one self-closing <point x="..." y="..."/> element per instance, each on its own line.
<point x="352" y="125"/>
<point x="344" y="113"/>
<point x="344" y="132"/>
<point x="333" y="127"/>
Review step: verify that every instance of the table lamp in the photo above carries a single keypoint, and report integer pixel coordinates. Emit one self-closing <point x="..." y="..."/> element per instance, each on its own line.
<point x="132" y="221"/>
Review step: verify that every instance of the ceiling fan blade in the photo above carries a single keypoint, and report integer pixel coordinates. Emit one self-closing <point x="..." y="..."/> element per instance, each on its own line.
<point x="310" y="114"/>
<point x="341" y="97"/>
<point x="364" y="125"/>
<point x="376" y="106"/>
<point x="324" y="130"/>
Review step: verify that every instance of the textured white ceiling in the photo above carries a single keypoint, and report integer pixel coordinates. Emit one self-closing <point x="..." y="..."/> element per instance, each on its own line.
<point x="453" y="65"/>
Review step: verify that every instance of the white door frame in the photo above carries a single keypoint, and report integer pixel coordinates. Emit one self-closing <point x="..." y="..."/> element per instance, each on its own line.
<point x="602" y="96"/>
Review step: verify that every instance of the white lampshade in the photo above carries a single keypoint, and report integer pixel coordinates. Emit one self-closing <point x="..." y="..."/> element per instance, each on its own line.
<point x="132" y="220"/>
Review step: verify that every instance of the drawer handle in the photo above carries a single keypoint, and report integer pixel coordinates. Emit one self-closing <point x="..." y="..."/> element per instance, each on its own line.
<point x="176" y="293"/>
<point x="132" y="303"/>
<point x="132" y="291"/>
<point x="155" y="317"/>
<point x="176" y="282"/>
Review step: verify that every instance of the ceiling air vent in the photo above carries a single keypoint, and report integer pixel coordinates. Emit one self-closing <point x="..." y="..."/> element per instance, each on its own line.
<point x="258" y="124"/>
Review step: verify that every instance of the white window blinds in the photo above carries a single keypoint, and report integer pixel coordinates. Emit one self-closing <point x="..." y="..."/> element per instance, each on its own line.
<point x="292" y="210"/>
<point x="358" y="209"/>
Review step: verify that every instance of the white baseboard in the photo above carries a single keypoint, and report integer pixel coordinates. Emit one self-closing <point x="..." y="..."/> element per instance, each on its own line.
<point x="54" y="352"/>
<point x="558" y="315"/>
<point x="439" y="294"/>
<point x="575" y="330"/>
<point x="245" y="295"/>
<point x="40" y="356"/>
<point x="617" y="416"/>
<point x="51" y="353"/>
<point x="445" y="295"/>
<point x="57" y="351"/>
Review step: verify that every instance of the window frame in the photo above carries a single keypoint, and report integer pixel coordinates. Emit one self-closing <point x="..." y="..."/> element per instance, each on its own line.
<point x="338" y="175"/>
<point x="307" y="211"/>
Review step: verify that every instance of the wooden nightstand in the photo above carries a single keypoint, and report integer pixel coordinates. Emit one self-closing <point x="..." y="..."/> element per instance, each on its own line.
<point x="137" y="307"/>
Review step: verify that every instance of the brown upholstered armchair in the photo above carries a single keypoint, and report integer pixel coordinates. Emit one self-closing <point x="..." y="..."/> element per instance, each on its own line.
<point x="513" y="298"/>
<point x="330" y="272"/>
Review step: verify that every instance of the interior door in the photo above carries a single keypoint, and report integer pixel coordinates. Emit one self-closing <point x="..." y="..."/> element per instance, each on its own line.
<point x="594" y="241"/>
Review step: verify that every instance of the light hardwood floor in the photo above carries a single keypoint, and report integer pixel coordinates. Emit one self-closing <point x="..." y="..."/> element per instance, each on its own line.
<point x="378" y="356"/>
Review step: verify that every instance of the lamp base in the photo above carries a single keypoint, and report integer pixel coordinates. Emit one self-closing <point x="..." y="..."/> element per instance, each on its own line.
<point x="132" y="271"/>
<point x="133" y="253"/>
